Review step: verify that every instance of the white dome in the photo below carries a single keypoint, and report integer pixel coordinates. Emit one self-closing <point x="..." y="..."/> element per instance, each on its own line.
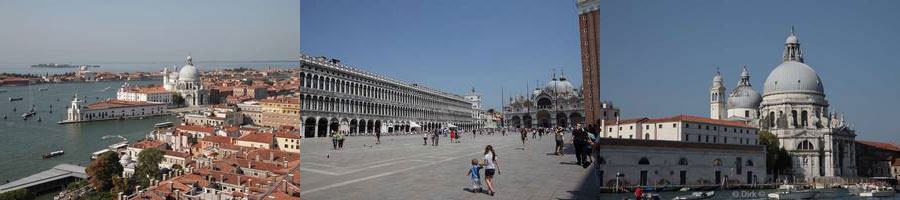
<point x="793" y="77"/>
<point x="744" y="97"/>
<point x="561" y="86"/>
<point x="187" y="73"/>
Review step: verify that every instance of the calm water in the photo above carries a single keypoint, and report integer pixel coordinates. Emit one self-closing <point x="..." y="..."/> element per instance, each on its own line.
<point x="23" y="142"/>
<point x="144" y="67"/>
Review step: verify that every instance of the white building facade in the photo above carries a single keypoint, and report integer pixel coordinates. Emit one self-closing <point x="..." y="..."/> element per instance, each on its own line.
<point x="145" y="94"/>
<point x="186" y="83"/>
<point x="111" y="109"/>
<point x="794" y="107"/>
<point x="683" y="128"/>
<point x="332" y="93"/>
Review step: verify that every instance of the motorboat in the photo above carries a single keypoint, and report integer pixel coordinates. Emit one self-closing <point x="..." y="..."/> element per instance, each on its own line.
<point x="651" y="196"/>
<point x="696" y="195"/>
<point x="796" y="194"/>
<point x="42" y="89"/>
<point x="11" y="99"/>
<point x="53" y="154"/>
<point x="106" y="89"/>
<point x="878" y="192"/>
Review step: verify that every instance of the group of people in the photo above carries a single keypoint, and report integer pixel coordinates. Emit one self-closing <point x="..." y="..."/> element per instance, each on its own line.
<point x="337" y="140"/>
<point x="491" y="166"/>
<point x="582" y="140"/>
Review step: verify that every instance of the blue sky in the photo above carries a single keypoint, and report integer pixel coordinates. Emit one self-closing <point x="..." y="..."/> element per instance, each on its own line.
<point x="134" y="31"/>
<point x="658" y="58"/>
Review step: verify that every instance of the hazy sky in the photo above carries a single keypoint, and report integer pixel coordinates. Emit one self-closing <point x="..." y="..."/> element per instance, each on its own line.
<point x="658" y="58"/>
<point x="130" y="31"/>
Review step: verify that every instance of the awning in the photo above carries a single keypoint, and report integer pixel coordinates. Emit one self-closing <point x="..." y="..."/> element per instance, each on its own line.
<point x="451" y="125"/>
<point x="414" y="125"/>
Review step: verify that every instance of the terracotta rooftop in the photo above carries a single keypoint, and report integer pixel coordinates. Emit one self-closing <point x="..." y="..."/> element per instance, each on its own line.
<point x="148" y="144"/>
<point x="177" y="154"/>
<point x="674" y="144"/>
<point x="147" y="90"/>
<point x="217" y="139"/>
<point x="290" y="100"/>
<point x="880" y="145"/>
<point x="287" y="134"/>
<point x="114" y="103"/>
<point x="258" y="137"/>
<point x="684" y="118"/>
<point x="194" y="128"/>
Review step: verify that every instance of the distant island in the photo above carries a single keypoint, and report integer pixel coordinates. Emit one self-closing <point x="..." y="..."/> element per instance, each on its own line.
<point x="54" y="65"/>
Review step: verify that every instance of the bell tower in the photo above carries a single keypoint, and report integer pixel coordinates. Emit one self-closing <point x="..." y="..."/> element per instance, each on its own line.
<point x="717" y="108"/>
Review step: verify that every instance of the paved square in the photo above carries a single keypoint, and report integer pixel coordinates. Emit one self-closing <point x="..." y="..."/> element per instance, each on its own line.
<point x="402" y="168"/>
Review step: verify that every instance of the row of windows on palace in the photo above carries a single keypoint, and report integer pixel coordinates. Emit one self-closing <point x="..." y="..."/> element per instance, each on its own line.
<point x="699" y="126"/>
<point x="371" y="89"/>
<point x="682" y="173"/>
<point x="112" y="113"/>
<point x="329" y="104"/>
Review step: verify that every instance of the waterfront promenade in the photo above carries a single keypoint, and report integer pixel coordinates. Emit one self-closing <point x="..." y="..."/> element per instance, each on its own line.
<point x="402" y="168"/>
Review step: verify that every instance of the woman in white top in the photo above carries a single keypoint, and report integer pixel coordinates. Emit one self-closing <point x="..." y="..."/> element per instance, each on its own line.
<point x="491" y="163"/>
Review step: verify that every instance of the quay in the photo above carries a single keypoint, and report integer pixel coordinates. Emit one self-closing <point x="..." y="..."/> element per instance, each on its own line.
<point x="51" y="179"/>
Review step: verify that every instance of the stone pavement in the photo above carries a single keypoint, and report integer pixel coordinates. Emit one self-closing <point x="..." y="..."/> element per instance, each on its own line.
<point x="402" y="168"/>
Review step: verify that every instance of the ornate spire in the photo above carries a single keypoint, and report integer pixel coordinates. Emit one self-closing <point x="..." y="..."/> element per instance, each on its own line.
<point x="189" y="60"/>
<point x="745" y="77"/>
<point x="792" y="51"/>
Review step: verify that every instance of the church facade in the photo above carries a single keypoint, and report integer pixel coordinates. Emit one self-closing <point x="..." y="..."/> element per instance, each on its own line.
<point x="794" y="108"/>
<point x="187" y="83"/>
<point x="557" y="104"/>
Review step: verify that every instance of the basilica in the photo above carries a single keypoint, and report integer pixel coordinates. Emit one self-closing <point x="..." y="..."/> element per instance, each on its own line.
<point x="794" y="108"/>
<point x="187" y="83"/>
<point x="557" y="104"/>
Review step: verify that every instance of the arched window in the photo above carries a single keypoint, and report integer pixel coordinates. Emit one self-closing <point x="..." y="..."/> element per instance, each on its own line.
<point x="644" y="161"/>
<point x="794" y="114"/>
<point x="646" y="136"/>
<point x="805" y="145"/>
<point x="717" y="162"/>
<point x="682" y="161"/>
<point x="803" y="117"/>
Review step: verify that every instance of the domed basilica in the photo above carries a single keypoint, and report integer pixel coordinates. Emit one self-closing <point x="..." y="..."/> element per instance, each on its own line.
<point x="794" y="108"/>
<point x="187" y="83"/>
<point x="556" y="104"/>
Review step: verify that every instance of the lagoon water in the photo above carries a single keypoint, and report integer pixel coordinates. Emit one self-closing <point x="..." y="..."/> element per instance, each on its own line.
<point x="25" y="68"/>
<point x="23" y="142"/>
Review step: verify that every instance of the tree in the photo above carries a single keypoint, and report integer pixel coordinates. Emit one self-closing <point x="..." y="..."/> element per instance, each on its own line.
<point x="120" y="184"/>
<point x="777" y="158"/>
<point x="148" y="166"/>
<point x="101" y="171"/>
<point x="177" y="99"/>
<point x="17" y="195"/>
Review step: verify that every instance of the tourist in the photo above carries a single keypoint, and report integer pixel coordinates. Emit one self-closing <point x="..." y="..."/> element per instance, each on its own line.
<point x="435" y="137"/>
<point x="559" y="141"/>
<point x="474" y="175"/>
<point x="524" y="133"/>
<point x="638" y="192"/>
<point x="334" y="141"/>
<point x="340" y="140"/>
<point x="580" y="141"/>
<point x="425" y="138"/>
<point x="491" y="164"/>
<point x="377" y="137"/>
<point x="451" y="136"/>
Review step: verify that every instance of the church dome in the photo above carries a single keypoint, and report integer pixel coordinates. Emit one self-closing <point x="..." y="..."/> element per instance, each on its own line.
<point x="791" y="40"/>
<point x="744" y="97"/>
<point x="561" y="86"/>
<point x="793" y="77"/>
<point x="188" y="72"/>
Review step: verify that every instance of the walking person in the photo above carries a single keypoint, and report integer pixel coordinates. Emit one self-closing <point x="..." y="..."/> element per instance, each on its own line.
<point x="491" y="164"/>
<point x="334" y="141"/>
<point x="580" y="142"/>
<point x="377" y="137"/>
<point x="435" y="137"/>
<point x="474" y="174"/>
<point x="340" y="138"/>
<point x="424" y="138"/>
<point x="559" y="141"/>
<point x="524" y="133"/>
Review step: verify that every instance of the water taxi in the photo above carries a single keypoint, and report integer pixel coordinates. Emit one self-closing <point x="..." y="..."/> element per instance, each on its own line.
<point x="11" y="99"/>
<point x="53" y="154"/>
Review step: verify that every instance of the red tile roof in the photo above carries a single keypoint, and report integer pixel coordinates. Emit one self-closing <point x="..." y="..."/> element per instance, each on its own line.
<point x="683" y="118"/>
<point x="217" y="139"/>
<point x="114" y="103"/>
<point x="286" y="134"/>
<point x="147" y="90"/>
<point x="194" y="128"/>
<point x="148" y="144"/>
<point x="880" y="145"/>
<point x="258" y="137"/>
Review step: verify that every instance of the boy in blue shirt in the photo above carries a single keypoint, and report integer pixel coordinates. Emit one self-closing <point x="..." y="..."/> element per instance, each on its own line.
<point x="473" y="173"/>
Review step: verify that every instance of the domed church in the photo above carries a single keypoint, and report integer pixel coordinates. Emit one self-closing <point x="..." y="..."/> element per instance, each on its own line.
<point x="187" y="83"/>
<point x="556" y="104"/>
<point x="794" y="108"/>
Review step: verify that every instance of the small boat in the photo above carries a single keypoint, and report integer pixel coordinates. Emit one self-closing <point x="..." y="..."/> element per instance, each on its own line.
<point x="878" y="192"/>
<point x="4" y="116"/>
<point x="39" y="119"/>
<point x="651" y="196"/>
<point x="53" y="154"/>
<point x="11" y="99"/>
<point x="42" y="89"/>
<point x="28" y="114"/>
<point x="105" y="89"/>
<point x="697" y="195"/>
<point x="798" y="194"/>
